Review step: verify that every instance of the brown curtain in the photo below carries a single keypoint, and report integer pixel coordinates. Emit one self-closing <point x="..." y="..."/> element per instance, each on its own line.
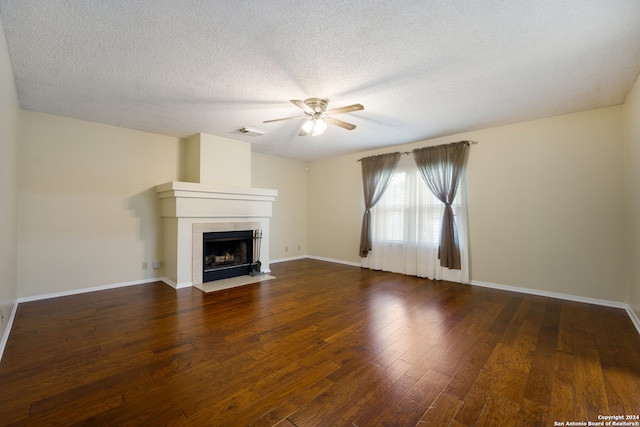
<point x="376" y="175"/>
<point x="441" y="167"/>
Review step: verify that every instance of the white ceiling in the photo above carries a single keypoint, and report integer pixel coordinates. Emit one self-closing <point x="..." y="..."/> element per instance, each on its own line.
<point x="421" y="68"/>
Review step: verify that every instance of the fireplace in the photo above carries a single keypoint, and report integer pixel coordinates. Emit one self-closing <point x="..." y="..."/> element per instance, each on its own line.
<point x="216" y="197"/>
<point x="189" y="210"/>
<point x="226" y="254"/>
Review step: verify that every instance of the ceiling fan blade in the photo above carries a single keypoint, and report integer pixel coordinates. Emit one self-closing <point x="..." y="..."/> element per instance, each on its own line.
<point x="336" y="122"/>
<point x="347" y="109"/>
<point x="301" y="104"/>
<point x="286" y="118"/>
<point x="303" y="132"/>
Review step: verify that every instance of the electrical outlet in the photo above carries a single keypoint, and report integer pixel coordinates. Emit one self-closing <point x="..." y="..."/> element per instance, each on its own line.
<point x="286" y="248"/>
<point x="1" y="317"/>
<point x="156" y="264"/>
<point x="299" y="247"/>
<point x="145" y="265"/>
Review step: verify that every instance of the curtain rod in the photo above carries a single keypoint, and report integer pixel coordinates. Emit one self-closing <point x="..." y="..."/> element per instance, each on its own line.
<point x="409" y="152"/>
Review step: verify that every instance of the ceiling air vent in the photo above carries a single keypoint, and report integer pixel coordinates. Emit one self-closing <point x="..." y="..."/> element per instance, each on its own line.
<point x="251" y="131"/>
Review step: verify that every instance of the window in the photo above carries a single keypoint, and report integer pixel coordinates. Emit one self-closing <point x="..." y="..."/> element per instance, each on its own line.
<point x="406" y="226"/>
<point x="408" y="206"/>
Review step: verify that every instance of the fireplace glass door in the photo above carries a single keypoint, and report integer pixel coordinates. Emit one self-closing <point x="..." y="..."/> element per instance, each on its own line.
<point x="226" y="254"/>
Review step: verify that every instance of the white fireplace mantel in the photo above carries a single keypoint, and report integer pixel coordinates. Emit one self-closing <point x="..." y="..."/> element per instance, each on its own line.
<point x="187" y="207"/>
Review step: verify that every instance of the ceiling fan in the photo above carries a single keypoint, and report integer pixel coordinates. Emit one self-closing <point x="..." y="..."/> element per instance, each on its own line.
<point x="315" y="110"/>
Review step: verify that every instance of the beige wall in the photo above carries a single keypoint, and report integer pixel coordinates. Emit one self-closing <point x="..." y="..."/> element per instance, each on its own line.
<point x="288" y="225"/>
<point x="88" y="206"/>
<point x="336" y="205"/>
<point x="9" y="117"/>
<point x="89" y="209"/>
<point x="545" y="203"/>
<point x="562" y="230"/>
<point x="632" y="170"/>
<point x="232" y="160"/>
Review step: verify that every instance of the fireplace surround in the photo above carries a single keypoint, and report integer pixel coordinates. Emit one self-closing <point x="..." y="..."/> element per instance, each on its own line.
<point x="189" y="210"/>
<point x="217" y="198"/>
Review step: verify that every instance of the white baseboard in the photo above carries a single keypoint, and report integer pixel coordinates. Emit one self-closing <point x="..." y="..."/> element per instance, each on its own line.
<point x="293" y="258"/>
<point x="634" y="318"/>
<point x="93" y="289"/>
<point x="558" y="295"/>
<point x="175" y="285"/>
<point x="336" y="261"/>
<point x="7" y="330"/>
<point x="319" y="258"/>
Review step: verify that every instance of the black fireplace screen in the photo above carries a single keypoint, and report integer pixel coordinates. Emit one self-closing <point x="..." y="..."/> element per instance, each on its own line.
<point x="226" y="254"/>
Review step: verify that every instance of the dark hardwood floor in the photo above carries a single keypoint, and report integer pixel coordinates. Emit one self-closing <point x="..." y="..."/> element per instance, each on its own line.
<point x="322" y="344"/>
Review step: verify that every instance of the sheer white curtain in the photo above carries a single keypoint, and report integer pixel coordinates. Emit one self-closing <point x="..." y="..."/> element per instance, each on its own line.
<point x="406" y="225"/>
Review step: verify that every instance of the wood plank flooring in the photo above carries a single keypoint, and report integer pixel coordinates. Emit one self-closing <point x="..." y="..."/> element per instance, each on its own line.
<point x="321" y="345"/>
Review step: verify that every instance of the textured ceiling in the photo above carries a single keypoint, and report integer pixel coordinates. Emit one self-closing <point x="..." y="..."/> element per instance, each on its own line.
<point x="421" y="69"/>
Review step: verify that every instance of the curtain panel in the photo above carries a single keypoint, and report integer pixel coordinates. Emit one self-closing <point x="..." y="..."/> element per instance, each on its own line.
<point x="376" y="174"/>
<point x="441" y="168"/>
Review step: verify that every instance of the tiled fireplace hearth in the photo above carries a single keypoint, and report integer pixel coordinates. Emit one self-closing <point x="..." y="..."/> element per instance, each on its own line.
<point x="190" y="209"/>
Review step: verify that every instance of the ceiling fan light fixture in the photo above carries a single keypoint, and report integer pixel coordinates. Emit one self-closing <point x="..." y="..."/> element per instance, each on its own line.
<point x="315" y="126"/>
<point x="319" y="127"/>
<point x="308" y="126"/>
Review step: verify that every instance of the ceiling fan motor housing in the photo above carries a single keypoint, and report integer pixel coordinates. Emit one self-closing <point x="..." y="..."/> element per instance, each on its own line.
<point x="316" y="104"/>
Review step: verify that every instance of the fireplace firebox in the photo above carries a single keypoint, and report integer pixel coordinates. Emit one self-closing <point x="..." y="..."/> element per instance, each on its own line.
<point x="226" y="254"/>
